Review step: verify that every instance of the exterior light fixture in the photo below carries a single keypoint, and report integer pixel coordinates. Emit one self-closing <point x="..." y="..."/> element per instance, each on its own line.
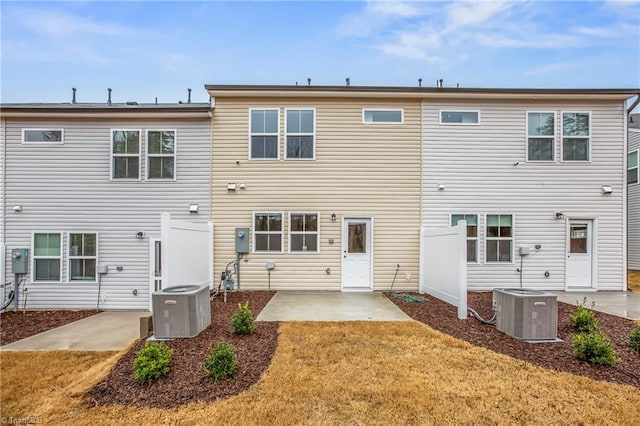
<point x="334" y="216"/>
<point x="140" y="235"/>
<point x="17" y="208"/>
<point x="558" y="215"/>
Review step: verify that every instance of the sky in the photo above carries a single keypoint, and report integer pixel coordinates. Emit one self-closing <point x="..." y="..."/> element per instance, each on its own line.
<point x="148" y="49"/>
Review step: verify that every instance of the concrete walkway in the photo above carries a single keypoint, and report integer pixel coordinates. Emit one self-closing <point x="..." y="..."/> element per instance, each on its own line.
<point x="106" y="331"/>
<point x="330" y="306"/>
<point x="623" y="304"/>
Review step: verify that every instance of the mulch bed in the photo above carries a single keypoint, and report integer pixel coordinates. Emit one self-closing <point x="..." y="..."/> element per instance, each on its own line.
<point x="554" y="356"/>
<point x="16" y="326"/>
<point x="185" y="383"/>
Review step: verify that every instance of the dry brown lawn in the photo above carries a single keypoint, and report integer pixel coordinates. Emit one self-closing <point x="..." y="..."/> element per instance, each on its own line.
<point x="339" y="373"/>
<point x="633" y="280"/>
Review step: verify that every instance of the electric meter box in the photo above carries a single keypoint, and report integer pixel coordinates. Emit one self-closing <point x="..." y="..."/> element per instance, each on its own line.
<point x="19" y="261"/>
<point x="242" y="240"/>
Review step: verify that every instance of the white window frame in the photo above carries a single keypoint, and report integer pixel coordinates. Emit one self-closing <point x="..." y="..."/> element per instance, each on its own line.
<point x="554" y="137"/>
<point x="589" y="138"/>
<point x="512" y="238"/>
<point x="253" y="227"/>
<point x="459" y="110"/>
<point x="34" y="257"/>
<point x="287" y="134"/>
<point x="476" y="238"/>
<point x="76" y="257"/>
<point x="317" y="233"/>
<point x="41" y="129"/>
<point x="174" y="155"/>
<point x="111" y="168"/>
<point x="637" y="167"/>
<point x="364" y="110"/>
<point x="277" y="134"/>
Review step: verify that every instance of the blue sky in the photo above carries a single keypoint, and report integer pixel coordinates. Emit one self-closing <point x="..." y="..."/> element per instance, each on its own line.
<point x="145" y="49"/>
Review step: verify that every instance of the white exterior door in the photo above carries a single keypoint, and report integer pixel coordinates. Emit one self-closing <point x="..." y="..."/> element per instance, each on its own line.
<point x="579" y="254"/>
<point x="155" y="267"/>
<point x="357" y="250"/>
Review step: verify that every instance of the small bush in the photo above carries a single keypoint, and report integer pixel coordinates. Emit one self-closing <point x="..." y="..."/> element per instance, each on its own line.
<point x="594" y="347"/>
<point x="584" y="319"/>
<point x="242" y="322"/>
<point x="221" y="362"/>
<point x="152" y="362"/>
<point x="634" y="340"/>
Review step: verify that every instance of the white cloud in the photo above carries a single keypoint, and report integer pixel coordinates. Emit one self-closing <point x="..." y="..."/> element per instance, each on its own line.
<point x="394" y="9"/>
<point x="475" y="13"/>
<point x="548" y="69"/>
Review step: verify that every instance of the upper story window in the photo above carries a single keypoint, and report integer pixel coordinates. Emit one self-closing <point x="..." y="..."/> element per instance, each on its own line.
<point x="576" y="135"/>
<point x="300" y="135"/>
<point x="460" y="117"/>
<point x="472" y="234"/>
<point x="383" y="116"/>
<point x="267" y="232"/>
<point x="541" y="136"/>
<point x="47" y="257"/>
<point x="83" y="256"/>
<point x="161" y="154"/>
<point x="499" y="238"/>
<point x="632" y="167"/>
<point x="303" y="232"/>
<point x="264" y="133"/>
<point x="44" y="136"/>
<point x="125" y="154"/>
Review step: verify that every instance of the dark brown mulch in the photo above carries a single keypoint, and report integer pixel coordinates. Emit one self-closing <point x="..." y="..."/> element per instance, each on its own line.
<point x="554" y="356"/>
<point x="15" y="326"/>
<point x="185" y="383"/>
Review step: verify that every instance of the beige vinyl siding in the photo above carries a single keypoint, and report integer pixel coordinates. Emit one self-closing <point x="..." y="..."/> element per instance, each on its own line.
<point x="633" y="210"/>
<point x="359" y="170"/>
<point x="477" y="166"/>
<point x="67" y="188"/>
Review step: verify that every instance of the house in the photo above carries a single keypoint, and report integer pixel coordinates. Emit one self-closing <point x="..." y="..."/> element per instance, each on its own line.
<point x="633" y="193"/>
<point x="334" y="183"/>
<point x="85" y="188"/>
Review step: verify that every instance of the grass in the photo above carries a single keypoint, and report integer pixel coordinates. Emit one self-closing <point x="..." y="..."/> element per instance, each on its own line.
<point x="340" y="373"/>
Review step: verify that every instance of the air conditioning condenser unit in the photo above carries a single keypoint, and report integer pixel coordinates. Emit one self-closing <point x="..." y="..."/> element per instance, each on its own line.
<point x="526" y="314"/>
<point x="182" y="311"/>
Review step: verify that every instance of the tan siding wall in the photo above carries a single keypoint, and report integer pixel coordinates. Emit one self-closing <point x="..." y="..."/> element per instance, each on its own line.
<point x="360" y="170"/>
<point x="476" y="166"/>
<point x="633" y="210"/>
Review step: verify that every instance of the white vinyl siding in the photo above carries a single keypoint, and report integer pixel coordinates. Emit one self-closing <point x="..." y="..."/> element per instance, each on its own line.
<point x="541" y="136"/>
<point x="83" y="257"/>
<point x="459" y="117"/>
<point x="46" y="257"/>
<point x="125" y="154"/>
<point x="43" y="136"/>
<point x="484" y="170"/>
<point x="264" y="135"/>
<point x="300" y="139"/>
<point x="382" y="116"/>
<point x="268" y="232"/>
<point x="633" y="207"/>
<point x="472" y="234"/>
<point x="161" y="154"/>
<point x="576" y="136"/>
<point x="304" y="232"/>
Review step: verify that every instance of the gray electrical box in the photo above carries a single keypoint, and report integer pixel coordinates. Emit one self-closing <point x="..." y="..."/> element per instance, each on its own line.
<point x="242" y="240"/>
<point x="19" y="261"/>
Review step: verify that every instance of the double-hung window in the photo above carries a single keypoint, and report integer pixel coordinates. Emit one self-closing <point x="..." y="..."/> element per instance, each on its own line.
<point x="125" y="154"/>
<point x="541" y="136"/>
<point x="499" y="238"/>
<point x="472" y="234"/>
<point x="576" y="135"/>
<point x="632" y="167"/>
<point x="47" y="257"/>
<point x="161" y="154"/>
<point x="43" y="136"/>
<point x="267" y="232"/>
<point x="300" y="134"/>
<point x="264" y="134"/>
<point x="303" y="232"/>
<point x="83" y="256"/>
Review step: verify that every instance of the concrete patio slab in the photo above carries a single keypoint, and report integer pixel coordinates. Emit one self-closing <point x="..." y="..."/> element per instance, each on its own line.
<point x="623" y="304"/>
<point x="330" y="306"/>
<point x="106" y="331"/>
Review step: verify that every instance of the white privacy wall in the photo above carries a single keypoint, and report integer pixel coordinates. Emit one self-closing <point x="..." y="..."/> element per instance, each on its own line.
<point x="443" y="265"/>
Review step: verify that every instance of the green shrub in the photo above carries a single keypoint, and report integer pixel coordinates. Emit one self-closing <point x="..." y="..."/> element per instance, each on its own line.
<point x="634" y="340"/>
<point x="221" y="362"/>
<point x="594" y="347"/>
<point x="242" y="322"/>
<point x="152" y="362"/>
<point x="584" y="319"/>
